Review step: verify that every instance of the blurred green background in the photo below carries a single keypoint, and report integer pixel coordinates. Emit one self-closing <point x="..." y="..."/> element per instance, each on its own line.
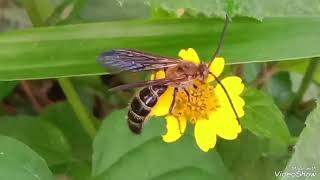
<point x="59" y="121"/>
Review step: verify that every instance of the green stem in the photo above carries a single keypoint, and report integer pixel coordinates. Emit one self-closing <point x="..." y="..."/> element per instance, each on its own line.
<point x="308" y="76"/>
<point x="74" y="99"/>
<point x="55" y="16"/>
<point x="39" y="11"/>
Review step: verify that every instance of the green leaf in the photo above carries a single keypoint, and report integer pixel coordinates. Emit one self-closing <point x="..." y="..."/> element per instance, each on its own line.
<point x="250" y="157"/>
<point x="216" y="8"/>
<point x="108" y="10"/>
<point x="63" y="117"/>
<point x="251" y="71"/>
<point x="208" y="8"/>
<point x="306" y="156"/>
<point x="72" y="50"/>
<point x="146" y="156"/>
<point x="293" y="8"/>
<point x="73" y="171"/>
<point x="79" y="170"/>
<point x="264" y="168"/>
<point x="240" y="154"/>
<point x="251" y="8"/>
<point x="41" y="136"/>
<point x="279" y="86"/>
<point x="295" y="124"/>
<point x="263" y="118"/>
<point x="6" y="88"/>
<point x="18" y="161"/>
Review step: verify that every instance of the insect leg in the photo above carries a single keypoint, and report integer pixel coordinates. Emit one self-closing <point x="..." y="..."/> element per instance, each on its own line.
<point x="172" y="105"/>
<point x="179" y="125"/>
<point x="187" y="93"/>
<point x="174" y="99"/>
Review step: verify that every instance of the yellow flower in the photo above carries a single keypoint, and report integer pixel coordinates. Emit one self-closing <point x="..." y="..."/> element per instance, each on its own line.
<point x="202" y="104"/>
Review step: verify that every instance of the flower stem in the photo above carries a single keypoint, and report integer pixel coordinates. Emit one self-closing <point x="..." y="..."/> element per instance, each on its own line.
<point x="84" y="116"/>
<point x="38" y="12"/>
<point x="305" y="82"/>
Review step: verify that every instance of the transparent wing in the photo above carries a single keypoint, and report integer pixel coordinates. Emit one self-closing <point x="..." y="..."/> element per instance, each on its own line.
<point x="132" y="60"/>
<point x="147" y="83"/>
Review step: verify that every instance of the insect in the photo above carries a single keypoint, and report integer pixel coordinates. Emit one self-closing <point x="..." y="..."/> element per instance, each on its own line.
<point x="179" y="74"/>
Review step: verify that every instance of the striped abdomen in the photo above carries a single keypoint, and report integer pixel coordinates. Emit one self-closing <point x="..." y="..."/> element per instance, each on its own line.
<point x="141" y="106"/>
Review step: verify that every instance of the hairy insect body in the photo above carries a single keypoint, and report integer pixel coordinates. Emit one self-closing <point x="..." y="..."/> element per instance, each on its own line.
<point x="147" y="98"/>
<point x="178" y="74"/>
<point x="186" y="72"/>
<point x="142" y="105"/>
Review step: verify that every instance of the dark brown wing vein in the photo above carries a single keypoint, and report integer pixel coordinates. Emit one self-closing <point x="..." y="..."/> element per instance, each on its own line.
<point x="146" y="83"/>
<point x="132" y="60"/>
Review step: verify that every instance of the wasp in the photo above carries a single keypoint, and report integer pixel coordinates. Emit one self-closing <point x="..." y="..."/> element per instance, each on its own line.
<point x="178" y="74"/>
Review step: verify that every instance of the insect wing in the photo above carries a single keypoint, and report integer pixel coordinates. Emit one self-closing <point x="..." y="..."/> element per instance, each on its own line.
<point x="144" y="84"/>
<point x="132" y="60"/>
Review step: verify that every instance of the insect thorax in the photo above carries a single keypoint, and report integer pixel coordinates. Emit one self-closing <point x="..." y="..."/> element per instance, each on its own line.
<point x="188" y="72"/>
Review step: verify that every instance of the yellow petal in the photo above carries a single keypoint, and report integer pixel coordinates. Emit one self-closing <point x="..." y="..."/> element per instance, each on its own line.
<point x="205" y="134"/>
<point x="158" y="75"/>
<point x="189" y="55"/>
<point x="164" y="103"/>
<point x="226" y="124"/>
<point x="216" y="68"/>
<point x="237" y="102"/>
<point x="234" y="88"/>
<point x="233" y="84"/>
<point x="175" y="128"/>
<point x="225" y="121"/>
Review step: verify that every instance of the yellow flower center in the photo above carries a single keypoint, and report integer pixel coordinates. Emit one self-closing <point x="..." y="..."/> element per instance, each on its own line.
<point x="195" y="102"/>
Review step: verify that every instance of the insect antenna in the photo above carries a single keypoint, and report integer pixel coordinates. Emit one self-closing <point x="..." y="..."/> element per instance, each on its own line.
<point x="228" y="96"/>
<point x="220" y="42"/>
